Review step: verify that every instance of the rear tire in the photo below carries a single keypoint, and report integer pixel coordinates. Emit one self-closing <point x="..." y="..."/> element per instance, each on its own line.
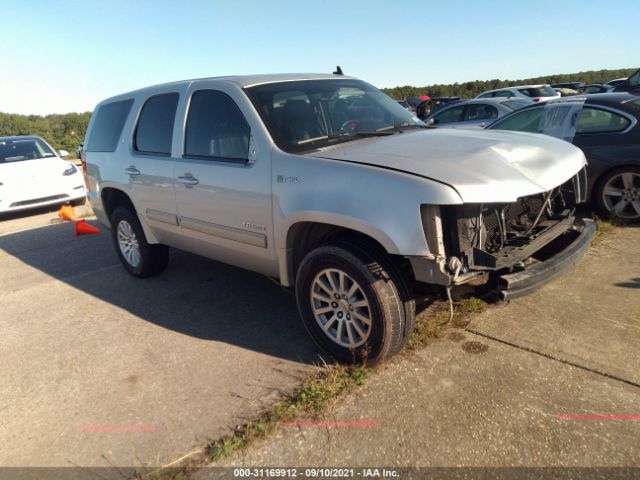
<point x="351" y="305"/>
<point x="139" y="258"/>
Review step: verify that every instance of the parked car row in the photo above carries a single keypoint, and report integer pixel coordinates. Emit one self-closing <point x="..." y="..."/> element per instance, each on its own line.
<point x="608" y="132"/>
<point x="534" y="93"/>
<point x="479" y="112"/>
<point x="606" y="129"/>
<point x="615" y="85"/>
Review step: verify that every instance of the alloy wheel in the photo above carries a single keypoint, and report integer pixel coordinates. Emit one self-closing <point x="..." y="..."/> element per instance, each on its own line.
<point x="341" y="308"/>
<point x="621" y="195"/>
<point x="128" y="243"/>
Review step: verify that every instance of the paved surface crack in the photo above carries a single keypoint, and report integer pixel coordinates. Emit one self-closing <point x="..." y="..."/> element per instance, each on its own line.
<point x="552" y="357"/>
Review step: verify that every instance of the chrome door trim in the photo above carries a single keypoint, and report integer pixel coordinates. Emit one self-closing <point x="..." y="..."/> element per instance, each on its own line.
<point x="223" y="231"/>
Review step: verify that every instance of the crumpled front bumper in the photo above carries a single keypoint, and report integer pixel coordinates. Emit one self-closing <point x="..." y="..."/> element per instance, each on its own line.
<point x="518" y="284"/>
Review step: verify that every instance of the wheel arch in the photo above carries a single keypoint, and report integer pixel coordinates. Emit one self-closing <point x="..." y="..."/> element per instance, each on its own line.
<point x="304" y="236"/>
<point x="113" y="197"/>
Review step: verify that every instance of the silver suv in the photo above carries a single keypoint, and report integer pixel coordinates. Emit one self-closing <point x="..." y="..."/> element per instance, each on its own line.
<point x="327" y="184"/>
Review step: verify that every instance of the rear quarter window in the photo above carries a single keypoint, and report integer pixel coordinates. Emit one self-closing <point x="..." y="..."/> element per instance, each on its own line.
<point x="107" y="127"/>
<point x="595" y="120"/>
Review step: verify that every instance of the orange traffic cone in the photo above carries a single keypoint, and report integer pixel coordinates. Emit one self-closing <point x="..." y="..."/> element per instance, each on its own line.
<point x="83" y="228"/>
<point x="66" y="212"/>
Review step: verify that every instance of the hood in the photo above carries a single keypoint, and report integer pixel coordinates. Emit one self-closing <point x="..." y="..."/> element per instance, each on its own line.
<point x="482" y="166"/>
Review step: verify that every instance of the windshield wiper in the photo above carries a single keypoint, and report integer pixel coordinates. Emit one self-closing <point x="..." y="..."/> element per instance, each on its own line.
<point x="344" y="134"/>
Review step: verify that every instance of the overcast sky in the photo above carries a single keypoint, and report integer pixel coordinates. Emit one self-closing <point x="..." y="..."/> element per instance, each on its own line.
<point x="61" y="56"/>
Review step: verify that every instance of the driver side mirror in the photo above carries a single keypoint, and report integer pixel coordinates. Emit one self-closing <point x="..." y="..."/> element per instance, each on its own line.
<point x="432" y="121"/>
<point x="64" y="153"/>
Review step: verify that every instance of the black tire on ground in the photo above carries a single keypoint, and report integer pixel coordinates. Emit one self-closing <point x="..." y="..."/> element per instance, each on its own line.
<point x="153" y="259"/>
<point x="376" y="285"/>
<point x="614" y="179"/>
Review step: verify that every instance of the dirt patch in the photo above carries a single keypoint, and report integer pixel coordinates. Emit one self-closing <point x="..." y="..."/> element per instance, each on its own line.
<point x="474" y="347"/>
<point x="461" y="322"/>
<point x="456" y="336"/>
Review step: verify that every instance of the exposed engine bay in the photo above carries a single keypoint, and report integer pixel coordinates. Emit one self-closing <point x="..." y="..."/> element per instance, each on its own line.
<point x="493" y="236"/>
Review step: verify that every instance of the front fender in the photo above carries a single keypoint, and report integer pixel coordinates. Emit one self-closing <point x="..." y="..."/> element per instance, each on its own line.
<point x="380" y="203"/>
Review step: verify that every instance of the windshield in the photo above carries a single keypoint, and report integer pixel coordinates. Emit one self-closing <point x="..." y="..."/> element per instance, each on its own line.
<point x="309" y="114"/>
<point x="16" y="150"/>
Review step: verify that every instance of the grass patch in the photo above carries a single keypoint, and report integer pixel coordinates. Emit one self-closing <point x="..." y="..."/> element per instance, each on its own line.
<point x="432" y="321"/>
<point x="606" y="226"/>
<point x="469" y="306"/>
<point x="308" y="400"/>
<point x="603" y="227"/>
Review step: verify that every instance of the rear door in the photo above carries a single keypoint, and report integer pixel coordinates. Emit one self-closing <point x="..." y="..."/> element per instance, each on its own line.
<point x="150" y="165"/>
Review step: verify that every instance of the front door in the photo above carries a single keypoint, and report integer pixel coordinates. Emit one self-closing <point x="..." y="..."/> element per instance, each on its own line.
<point x="223" y="187"/>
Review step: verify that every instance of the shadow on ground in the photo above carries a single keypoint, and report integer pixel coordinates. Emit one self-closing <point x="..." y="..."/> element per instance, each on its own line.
<point x="195" y="296"/>
<point x="633" y="283"/>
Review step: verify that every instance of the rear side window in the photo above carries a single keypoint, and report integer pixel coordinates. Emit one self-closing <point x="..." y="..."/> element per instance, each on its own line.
<point x="216" y="128"/>
<point x="107" y="126"/>
<point x="594" y="120"/>
<point x="155" y="125"/>
<point x="504" y="93"/>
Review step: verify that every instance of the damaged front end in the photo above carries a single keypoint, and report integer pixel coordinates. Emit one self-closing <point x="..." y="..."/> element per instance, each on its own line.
<point x="512" y="248"/>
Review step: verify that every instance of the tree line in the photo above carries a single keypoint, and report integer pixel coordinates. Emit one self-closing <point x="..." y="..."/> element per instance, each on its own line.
<point x="63" y="132"/>
<point x="476" y="87"/>
<point x="67" y="131"/>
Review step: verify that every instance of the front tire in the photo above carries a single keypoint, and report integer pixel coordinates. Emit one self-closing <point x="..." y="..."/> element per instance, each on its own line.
<point x="139" y="258"/>
<point x="350" y="304"/>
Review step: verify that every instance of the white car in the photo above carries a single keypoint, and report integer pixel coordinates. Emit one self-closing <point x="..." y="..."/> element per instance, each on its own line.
<point x="535" y="93"/>
<point x="33" y="175"/>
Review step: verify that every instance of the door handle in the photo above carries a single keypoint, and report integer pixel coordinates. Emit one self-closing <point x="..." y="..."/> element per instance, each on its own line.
<point x="188" y="180"/>
<point x="132" y="170"/>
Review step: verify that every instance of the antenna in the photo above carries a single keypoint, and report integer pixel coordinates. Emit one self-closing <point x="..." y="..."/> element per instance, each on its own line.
<point x="338" y="71"/>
